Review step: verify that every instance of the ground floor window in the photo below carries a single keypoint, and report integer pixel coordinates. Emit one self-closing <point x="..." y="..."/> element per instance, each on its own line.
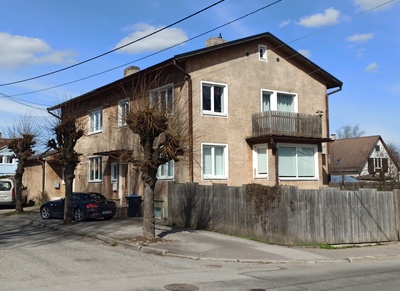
<point x="214" y="161"/>
<point x="166" y="171"/>
<point x="297" y="162"/>
<point x="95" y="169"/>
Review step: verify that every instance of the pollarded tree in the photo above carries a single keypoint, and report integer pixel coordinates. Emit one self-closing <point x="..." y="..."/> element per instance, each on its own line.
<point x="162" y="131"/>
<point x="23" y="134"/>
<point x="67" y="130"/>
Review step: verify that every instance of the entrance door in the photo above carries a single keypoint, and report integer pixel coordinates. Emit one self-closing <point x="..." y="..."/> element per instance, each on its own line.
<point x="123" y="182"/>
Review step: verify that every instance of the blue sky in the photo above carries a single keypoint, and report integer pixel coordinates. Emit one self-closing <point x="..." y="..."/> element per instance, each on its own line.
<point x="357" y="41"/>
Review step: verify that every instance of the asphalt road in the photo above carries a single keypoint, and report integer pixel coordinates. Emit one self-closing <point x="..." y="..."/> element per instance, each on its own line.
<point x="33" y="258"/>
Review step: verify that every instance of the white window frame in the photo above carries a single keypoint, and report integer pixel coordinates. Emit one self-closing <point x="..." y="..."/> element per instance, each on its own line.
<point x="213" y="175"/>
<point x="164" y="168"/>
<point x="11" y="158"/>
<point x="98" y="174"/>
<point x="224" y="109"/>
<point x="296" y="177"/>
<point x="156" y="98"/>
<point x="96" y="121"/>
<point x="114" y="172"/>
<point x="262" y="52"/>
<point x="273" y="105"/>
<point x="123" y="109"/>
<point x="256" y="162"/>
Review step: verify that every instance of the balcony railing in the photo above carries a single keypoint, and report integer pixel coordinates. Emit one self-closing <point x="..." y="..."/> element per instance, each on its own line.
<point x="286" y="124"/>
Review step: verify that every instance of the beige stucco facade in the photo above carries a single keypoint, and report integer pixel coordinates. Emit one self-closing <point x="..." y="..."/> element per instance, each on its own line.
<point x="244" y="76"/>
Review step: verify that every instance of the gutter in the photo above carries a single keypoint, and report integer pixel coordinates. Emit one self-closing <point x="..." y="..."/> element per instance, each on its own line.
<point x="190" y="113"/>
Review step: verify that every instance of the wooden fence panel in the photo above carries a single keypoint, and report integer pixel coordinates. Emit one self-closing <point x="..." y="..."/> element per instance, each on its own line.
<point x="301" y="216"/>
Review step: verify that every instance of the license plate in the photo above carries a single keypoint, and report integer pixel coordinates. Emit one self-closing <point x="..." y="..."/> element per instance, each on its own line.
<point x="107" y="212"/>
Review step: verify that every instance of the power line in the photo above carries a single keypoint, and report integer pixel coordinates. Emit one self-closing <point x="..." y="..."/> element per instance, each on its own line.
<point x="113" y="50"/>
<point x="153" y="54"/>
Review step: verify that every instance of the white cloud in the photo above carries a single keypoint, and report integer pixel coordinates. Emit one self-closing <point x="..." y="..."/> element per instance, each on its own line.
<point x="329" y="17"/>
<point x="364" y="5"/>
<point x="372" y="67"/>
<point x="285" y="23"/>
<point x="305" y="53"/>
<point x="360" y="37"/>
<point x="158" y="41"/>
<point x="17" y="51"/>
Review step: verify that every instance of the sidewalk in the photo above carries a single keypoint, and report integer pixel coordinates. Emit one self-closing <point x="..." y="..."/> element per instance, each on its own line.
<point x="205" y="245"/>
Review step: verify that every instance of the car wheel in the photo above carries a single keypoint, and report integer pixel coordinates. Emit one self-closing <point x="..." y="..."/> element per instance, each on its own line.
<point x="108" y="217"/>
<point x="45" y="212"/>
<point x="79" y="215"/>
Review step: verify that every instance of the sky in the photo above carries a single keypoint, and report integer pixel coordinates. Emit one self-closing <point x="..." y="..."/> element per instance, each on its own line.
<point x="74" y="44"/>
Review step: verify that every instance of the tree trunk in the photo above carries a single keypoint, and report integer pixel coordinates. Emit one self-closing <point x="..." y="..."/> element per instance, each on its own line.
<point x="69" y="178"/>
<point x="148" y="213"/>
<point x="18" y="193"/>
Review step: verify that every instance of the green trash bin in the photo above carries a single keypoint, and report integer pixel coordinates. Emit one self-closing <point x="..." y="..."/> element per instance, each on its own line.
<point x="134" y="205"/>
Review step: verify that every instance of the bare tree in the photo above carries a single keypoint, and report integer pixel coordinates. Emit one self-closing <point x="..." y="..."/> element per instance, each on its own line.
<point x="161" y="129"/>
<point x="349" y="131"/>
<point x="394" y="153"/>
<point x="67" y="130"/>
<point x="23" y="134"/>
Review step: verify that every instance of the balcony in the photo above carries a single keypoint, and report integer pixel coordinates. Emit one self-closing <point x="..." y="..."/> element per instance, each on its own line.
<point x="286" y="124"/>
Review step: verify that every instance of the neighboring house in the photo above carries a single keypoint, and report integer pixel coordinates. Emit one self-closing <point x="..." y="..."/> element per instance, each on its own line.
<point x="361" y="158"/>
<point x="257" y="112"/>
<point x="43" y="174"/>
<point x="8" y="162"/>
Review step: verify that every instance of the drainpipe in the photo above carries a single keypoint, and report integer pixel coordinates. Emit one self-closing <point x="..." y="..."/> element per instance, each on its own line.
<point x="328" y="145"/>
<point x="43" y="174"/>
<point x="190" y="113"/>
<point x="275" y="149"/>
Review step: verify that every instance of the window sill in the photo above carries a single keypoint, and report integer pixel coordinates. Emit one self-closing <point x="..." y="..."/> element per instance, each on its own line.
<point x="95" y="132"/>
<point x="214" y="114"/>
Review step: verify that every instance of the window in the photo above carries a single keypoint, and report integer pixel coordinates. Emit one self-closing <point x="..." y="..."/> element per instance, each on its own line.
<point x="214" y="161"/>
<point x="166" y="171"/>
<point x="123" y="110"/>
<point x="260" y="161"/>
<point x="262" y="52"/>
<point x="377" y="148"/>
<point x="95" y="169"/>
<point x="2" y="159"/>
<point x="298" y="162"/>
<point x="376" y="165"/>
<point x="96" y="121"/>
<point x="9" y="160"/>
<point x="114" y="172"/>
<point x="214" y="99"/>
<point x="278" y="101"/>
<point x="163" y="98"/>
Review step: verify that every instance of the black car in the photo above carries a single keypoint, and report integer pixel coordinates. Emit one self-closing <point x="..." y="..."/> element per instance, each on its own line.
<point x="84" y="206"/>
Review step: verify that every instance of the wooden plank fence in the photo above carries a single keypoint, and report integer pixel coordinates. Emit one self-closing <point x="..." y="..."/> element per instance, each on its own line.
<point x="300" y="216"/>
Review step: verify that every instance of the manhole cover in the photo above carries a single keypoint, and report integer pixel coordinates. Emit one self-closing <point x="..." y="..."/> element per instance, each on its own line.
<point x="181" y="287"/>
<point x="213" y="266"/>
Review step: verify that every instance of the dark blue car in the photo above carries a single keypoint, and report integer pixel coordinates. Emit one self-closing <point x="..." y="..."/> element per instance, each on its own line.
<point x="84" y="206"/>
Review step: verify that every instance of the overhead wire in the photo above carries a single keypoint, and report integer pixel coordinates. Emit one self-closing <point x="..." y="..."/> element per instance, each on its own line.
<point x="113" y="50"/>
<point x="152" y="54"/>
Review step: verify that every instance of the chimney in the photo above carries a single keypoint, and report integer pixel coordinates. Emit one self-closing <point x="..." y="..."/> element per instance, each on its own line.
<point x="215" y="41"/>
<point x="131" y="70"/>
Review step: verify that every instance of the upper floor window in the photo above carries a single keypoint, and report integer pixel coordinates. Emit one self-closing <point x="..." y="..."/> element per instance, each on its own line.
<point x="96" y="121"/>
<point x="214" y="98"/>
<point x="163" y="98"/>
<point x="95" y="169"/>
<point x="9" y="160"/>
<point x="278" y="101"/>
<point x="378" y="165"/>
<point x="297" y="162"/>
<point x="123" y="110"/>
<point x="214" y="161"/>
<point x="262" y="52"/>
<point x="260" y="161"/>
<point x="166" y="171"/>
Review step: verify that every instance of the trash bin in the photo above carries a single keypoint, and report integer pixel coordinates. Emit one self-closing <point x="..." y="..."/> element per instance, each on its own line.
<point x="134" y="205"/>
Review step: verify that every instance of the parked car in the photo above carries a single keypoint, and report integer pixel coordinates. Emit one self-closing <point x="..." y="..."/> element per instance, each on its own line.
<point x="8" y="192"/>
<point x="84" y="206"/>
